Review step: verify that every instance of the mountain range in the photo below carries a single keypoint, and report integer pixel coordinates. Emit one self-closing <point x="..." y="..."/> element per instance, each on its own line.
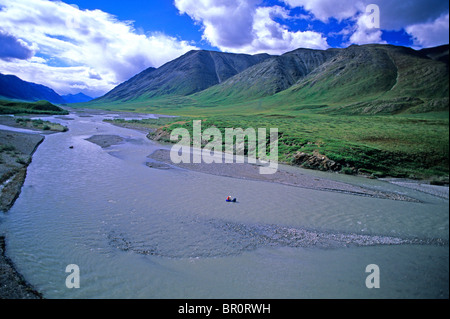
<point x="12" y="87"/>
<point x="76" y="98"/>
<point x="193" y="72"/>
<point x="367" y="79"/>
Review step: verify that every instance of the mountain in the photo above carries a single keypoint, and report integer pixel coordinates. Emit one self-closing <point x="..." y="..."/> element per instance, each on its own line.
<point x="12" y="87"/>
<point x="373" y="79"/>
<point x="366" y="79"/>
<point x="76" y="98"/>
<point x="369" y="79"/>
<point x="188" y="74"/>
<point x="440" y="53"/>
<point x="269" y="77"/>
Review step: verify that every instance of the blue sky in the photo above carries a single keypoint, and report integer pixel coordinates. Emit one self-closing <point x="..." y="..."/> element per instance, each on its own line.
<point x="162" y="15"/>
<point x="91" y="46"/>
<point x="148" y="16"/>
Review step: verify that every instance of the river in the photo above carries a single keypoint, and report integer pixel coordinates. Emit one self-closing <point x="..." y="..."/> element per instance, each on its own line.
<point x="140" y="232"/>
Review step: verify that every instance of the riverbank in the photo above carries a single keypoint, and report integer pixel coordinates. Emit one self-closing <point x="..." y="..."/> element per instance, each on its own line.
<point x="294" y="178"/>
<point x="12" y="284"/>
<point x="161" y="160"/>
<point x="17" y="145"/>
<point x="16" y="151"/>
<point x="27" y="123"/>
<point x="374" y="147"/>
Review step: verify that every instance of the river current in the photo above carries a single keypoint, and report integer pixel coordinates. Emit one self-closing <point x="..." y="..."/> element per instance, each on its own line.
<point x="141" y="232"/>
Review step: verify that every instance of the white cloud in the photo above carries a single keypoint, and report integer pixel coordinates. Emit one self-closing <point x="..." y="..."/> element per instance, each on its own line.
<point x="225" y="22"/>
<point x="87" y="42"/>
<point x="244" y="27"/>
<point x="323" y="10"/>
<point x="430" y="34"/>
<point x="395" y="15"/>
<point x="63" y="80"/>
<point x="360" y="31"/>
<point x="417" y="17"/>
<point x="274" y="38"/>
<point x="365" y="31"/>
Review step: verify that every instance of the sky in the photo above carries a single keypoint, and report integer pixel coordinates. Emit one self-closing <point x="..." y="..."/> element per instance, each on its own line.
<point x="91" y="46"/>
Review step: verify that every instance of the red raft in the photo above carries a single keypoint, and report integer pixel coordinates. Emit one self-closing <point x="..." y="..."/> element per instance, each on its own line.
<point x="230" y="200"/>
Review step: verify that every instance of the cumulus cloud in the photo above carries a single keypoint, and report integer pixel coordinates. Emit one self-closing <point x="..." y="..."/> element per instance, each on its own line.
<point x="225" y="23"/>
<point x="243" y="26"/>
<point x="64" y="80"/>
<point x="323" y="10"/>
<point x="360" y="31"/>
<point x="366" y="29"/>
<point x="430" y="34"/>
<point x="416" y="17"/>
<point x="102" y="50"/>
<point x="395" y="15"/>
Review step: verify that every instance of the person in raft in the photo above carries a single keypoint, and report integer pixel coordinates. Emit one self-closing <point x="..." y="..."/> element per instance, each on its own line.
<point x="231" y="200"/>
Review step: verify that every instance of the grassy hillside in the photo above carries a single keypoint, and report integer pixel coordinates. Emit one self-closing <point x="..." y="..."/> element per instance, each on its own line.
<point x="371" y="79"/>
<point x="264" y="79"/>
<point x="40" y="107"/>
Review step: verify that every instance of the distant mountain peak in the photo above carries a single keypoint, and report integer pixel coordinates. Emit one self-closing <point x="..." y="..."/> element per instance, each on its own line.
<point x="77" y="98"/>
<point x="12" y="87"/>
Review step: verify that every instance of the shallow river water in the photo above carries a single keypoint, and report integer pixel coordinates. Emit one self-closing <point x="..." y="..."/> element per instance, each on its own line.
<point x="140" y="232"/>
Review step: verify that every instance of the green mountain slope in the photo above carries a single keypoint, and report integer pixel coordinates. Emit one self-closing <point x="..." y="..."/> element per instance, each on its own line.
<point x="266" y="78"/>
<point x="371" y="79"/>
<point x="440" y="53"/>
<point x="421" y="85"/>
<point x="368" y="79"/>
<point x="190" y="73"/>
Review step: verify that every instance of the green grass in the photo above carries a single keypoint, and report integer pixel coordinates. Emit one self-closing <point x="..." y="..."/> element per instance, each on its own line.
<point x="415" y="146"/>
<point x="40" y="107"/>
<point x="41" y="125"/>
<point x="7" y="148"/>
<point x="147" y="123"/>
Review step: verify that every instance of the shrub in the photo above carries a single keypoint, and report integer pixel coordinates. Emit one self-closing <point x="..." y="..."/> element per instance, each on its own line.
<point x="7" y="148"/>
<point x="347" y="170"/>
<point x="22" y="161"/>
